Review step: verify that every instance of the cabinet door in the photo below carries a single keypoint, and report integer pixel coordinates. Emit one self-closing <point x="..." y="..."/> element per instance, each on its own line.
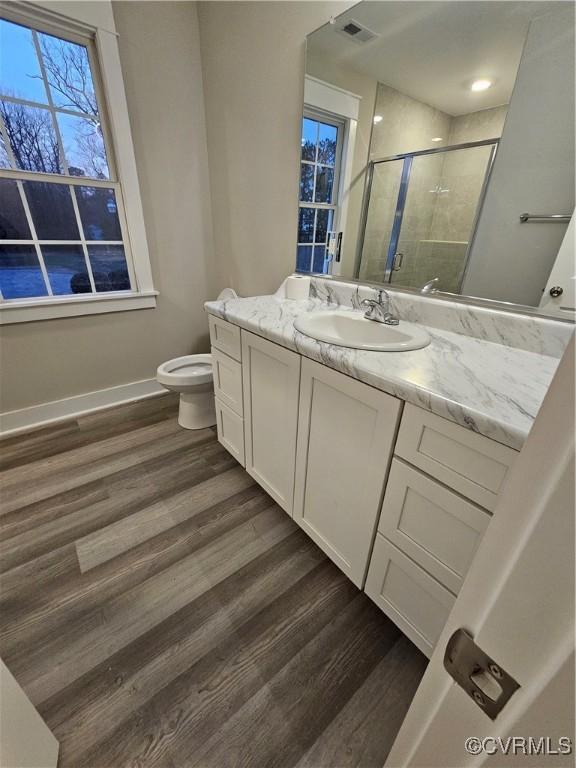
<point x="346" y="432"/>
<point x="271" y="381"/>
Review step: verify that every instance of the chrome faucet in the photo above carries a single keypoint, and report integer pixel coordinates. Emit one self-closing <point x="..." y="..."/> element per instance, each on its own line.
<point x="379" y="309"/>
<point x="430" y="286"/>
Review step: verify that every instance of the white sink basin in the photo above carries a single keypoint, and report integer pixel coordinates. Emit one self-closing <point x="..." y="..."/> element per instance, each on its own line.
<point x="352" y="329"/>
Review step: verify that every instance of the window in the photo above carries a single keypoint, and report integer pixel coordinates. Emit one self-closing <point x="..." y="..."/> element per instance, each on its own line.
<point x="63" y="226"/>
<point x="319" y="178"/>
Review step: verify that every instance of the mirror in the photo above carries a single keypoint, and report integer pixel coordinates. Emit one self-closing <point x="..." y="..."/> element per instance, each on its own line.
<point x="438" y="150"/>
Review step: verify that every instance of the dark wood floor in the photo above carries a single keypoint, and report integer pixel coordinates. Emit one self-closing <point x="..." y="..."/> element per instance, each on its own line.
<point x="161" y="610"/>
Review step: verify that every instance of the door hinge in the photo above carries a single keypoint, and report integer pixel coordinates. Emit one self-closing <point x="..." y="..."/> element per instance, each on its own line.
<point x="483" y="679"/>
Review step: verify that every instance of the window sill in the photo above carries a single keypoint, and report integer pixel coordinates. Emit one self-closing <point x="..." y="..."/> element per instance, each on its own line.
<point x="32" y="310"/>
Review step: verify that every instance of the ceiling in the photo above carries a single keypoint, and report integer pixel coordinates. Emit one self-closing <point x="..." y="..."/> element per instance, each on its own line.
<point x="433" y="51"/>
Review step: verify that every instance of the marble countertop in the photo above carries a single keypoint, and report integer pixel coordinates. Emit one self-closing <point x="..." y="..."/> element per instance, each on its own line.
<point x="489" y="388"/>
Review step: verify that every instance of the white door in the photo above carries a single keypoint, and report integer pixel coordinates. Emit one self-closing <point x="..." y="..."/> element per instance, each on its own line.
<point x="518" y="603"/>
<point x="563" y="277"/>
<point x="346" y="431"/>
<point x="271" y="383"/>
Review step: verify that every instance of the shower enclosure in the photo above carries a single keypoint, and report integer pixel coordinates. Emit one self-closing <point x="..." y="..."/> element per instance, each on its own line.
<point x="420" y="214"/>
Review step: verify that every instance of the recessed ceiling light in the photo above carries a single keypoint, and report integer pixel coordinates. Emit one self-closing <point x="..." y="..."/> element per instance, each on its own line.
<point x="378" y="118"/>
<point x="438" y="138"/>
<point x="480" y="85"/>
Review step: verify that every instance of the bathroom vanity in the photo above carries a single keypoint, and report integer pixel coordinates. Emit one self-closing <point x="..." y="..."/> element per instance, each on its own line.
<point x="390" y="472"/>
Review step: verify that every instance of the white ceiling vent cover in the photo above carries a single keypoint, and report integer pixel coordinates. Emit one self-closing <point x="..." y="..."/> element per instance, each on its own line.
<point x="353" y="30"/>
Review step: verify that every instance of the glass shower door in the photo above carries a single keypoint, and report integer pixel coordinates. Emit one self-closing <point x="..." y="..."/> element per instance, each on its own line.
<point x="437" y="217"/>
<point x="383" y="192"/>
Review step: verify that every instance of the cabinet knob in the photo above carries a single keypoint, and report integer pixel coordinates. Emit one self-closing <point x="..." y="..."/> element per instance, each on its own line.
<point x="556" y="291"/>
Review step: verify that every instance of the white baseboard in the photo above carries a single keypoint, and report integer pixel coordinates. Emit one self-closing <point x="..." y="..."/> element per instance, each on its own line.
<point x="24" y="419"/>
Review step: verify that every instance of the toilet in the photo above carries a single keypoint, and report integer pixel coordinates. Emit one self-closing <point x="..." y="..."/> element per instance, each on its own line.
<point x="191" y="376"/>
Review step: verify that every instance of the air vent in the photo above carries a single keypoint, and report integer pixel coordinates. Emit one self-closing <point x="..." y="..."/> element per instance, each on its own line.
<point x="353" y="30"/>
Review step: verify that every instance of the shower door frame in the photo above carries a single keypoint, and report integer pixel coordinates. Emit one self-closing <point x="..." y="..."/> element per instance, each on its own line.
<point x="408" y="158"/>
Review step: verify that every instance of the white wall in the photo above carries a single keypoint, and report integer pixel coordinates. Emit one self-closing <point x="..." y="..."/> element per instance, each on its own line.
<point x="533" y="171"/>
<point x="50" y="360"/>
<point x="253" y="63"/>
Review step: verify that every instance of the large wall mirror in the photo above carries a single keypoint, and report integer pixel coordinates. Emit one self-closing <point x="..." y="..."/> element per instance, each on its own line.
<point x="438" y="150"/>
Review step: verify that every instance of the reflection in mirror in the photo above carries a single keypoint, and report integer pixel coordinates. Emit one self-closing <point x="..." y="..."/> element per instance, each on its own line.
<point x="429" y="129"/>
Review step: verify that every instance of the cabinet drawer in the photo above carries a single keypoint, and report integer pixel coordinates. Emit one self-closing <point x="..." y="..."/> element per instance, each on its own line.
<point x="472" y="464"/>
<point x="227" y="381"/>
<point x="230" y="428"/>
<point x="225" y="337"/>
<point x="414" y="601"/>
<point x="434" y="526"/>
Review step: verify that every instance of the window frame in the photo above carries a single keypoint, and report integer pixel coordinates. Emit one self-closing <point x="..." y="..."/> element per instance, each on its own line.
<point x="104" y="58"/>
<point x="327" y="118"/>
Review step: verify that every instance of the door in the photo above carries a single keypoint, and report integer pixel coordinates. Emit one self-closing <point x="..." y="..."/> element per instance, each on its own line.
<point x="271" y="382"/>
<point x="25" y="739"/>
<point x="559" y="295"/>
<point x="346" y="432"/>
<point x="518" y="603"/>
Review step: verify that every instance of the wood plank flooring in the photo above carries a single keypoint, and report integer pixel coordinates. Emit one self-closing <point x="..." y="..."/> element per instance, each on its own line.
<point x="160" y="609"/>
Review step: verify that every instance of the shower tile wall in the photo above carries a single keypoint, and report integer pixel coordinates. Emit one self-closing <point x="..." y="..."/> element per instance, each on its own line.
<point x="407" y="124"/>
<point x="476" y="126"/>
<point x="443" y="190"/>
<point x="463" y="173"/>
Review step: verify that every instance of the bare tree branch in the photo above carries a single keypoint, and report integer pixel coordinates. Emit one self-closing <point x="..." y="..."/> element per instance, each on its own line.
<point x="31" y="137"/>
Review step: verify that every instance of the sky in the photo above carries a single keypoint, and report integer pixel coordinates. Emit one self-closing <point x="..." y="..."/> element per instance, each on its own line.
<point x="18" y="62"/>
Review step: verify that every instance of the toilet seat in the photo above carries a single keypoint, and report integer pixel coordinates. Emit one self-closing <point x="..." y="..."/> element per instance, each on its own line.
<point x="186" y="371"/>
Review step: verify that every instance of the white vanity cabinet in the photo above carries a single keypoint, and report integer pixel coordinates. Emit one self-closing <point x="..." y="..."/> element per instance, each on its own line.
<point x="346" y="433"/>
<point x="271" y="384"/>
<point x="398" y="497"/>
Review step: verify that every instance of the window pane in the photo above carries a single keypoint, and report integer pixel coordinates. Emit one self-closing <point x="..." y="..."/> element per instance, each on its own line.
<point x="323" y="224"/>
<point x="327" y="144"/>
<point x="66" y="269"/>
<point x="83" y="146"/>
<point x="324" y="183"/>
<point x="306" y="225"/>
<point x="109" y="267"/>
<point x="52" y="210"/>
<point x="4" y="161"/>
<point x="319" y="256"/>
<point x="13" y="223"/>
<point x="20" y="274"/>
<point x="98" y="213"/>
<point x="309" y="138"/>
<point x="20" y="72"/>
<point x="32" y="137"/>
<point x="306" y="182"/>
<point x="304" y="258"/>
<point x="68" y="71"/>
